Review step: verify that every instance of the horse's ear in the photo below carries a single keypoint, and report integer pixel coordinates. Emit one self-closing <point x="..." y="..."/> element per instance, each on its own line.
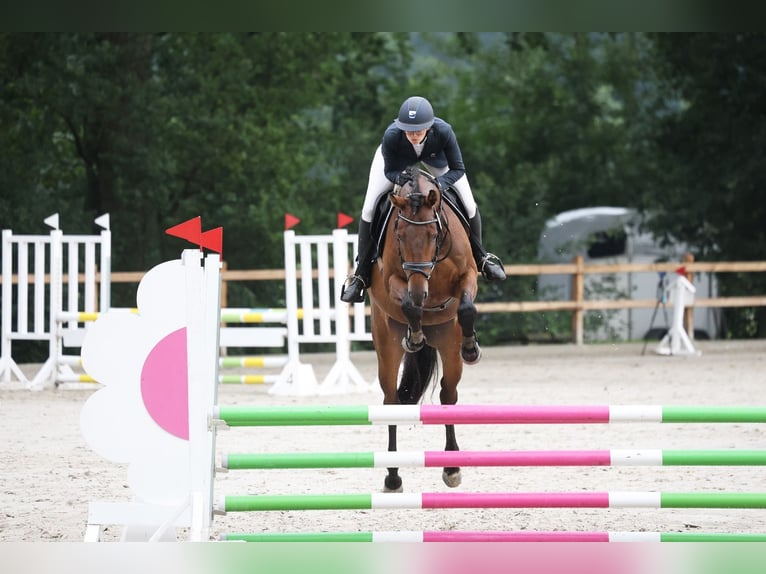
<point x="433" y="197"/>
<point x="398" y="200"/>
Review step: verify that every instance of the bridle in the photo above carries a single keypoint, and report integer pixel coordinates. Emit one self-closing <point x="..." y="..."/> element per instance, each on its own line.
<point x="425" y="268"/>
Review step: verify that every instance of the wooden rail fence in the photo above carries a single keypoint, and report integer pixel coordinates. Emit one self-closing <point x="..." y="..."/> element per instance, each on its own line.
<point x="578" y="305"/>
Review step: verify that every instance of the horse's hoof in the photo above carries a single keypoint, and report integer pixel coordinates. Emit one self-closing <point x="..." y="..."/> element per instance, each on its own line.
<point x="471" y="356"/>
<point x="410" y="348"/>
<point x="452" y="480"/>
<point x="396" y="490"/>
<point x="393" y="485"/>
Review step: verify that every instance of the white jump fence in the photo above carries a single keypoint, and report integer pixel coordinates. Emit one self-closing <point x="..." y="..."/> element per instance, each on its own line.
<point x="315" y="314"/>
<point x="59" y="310"/>
<point x="51" y="310"/>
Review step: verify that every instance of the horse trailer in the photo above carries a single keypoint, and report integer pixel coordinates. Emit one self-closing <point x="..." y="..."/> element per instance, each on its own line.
<point x="614" y="235"/>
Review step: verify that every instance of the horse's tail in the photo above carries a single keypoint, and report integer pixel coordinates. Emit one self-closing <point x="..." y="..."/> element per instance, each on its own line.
<point x="417" y="371"/>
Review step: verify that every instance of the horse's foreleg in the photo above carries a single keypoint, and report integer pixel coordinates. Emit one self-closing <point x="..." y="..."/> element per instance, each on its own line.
<point x="466" y="318"/>
<point x="415" y="339"/>
<point x="389" y="355"/>
<point x="448" y="396"/>
<point x="393" y="482"/>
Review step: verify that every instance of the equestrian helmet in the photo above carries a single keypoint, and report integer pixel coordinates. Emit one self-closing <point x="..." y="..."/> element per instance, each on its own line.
<point x="415" y="114"/>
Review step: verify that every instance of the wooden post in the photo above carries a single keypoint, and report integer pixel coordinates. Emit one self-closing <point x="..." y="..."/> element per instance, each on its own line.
<point x="689" y="311"/>
<point x="578" y="290"/>
<point x="224" y="291"/>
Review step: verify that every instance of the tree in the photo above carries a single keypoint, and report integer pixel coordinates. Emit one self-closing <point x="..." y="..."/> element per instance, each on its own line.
<point x="156" y="128"/>
<point x="242" y="128"/>
<point x="547" y="123"/>
<point x="712" y="126"/>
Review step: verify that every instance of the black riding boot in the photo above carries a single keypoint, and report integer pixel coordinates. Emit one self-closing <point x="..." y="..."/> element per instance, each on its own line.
<point x="360" y="280"/>
<point x="488" y="264"/>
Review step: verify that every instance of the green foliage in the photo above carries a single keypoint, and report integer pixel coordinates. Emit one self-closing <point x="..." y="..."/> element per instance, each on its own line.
<point x="548" y="122"/>
<point x="709" y="188"/>
<point x="158" y="128"/>
<point x="243" y="128"/>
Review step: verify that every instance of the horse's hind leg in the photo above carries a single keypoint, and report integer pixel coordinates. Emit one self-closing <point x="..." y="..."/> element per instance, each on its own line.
<point x="466" y="318"/>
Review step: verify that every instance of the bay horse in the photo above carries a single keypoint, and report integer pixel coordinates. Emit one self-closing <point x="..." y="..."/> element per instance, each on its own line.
<point x="422" y="298"/>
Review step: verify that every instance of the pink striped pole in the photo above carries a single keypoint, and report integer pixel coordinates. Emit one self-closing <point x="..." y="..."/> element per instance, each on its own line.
<point x="518" y="536"/>
<point x="515" y="500"/>
<point x="519" y="458"/>
<point x="504" y="414"/>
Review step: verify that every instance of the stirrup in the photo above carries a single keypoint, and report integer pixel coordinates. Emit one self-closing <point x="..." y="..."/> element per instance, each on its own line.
<point x="354" y="291"/>
<point x="492" y="268"/>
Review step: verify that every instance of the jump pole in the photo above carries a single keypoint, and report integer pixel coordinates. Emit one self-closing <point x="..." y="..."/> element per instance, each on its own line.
<point x="249" y="363"/>
<point x="273" y="336"/>
<point x="441" y="500"/>
<point x="434" y="459"/>
<point x="481" y="414"/>
<point x="492" y="536"/>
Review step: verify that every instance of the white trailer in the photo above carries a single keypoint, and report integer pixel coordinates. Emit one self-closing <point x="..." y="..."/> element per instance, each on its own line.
<point x="613" y="235"/>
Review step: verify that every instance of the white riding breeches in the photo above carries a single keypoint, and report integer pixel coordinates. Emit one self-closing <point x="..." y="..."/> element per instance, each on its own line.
<point x="378" y="184"/>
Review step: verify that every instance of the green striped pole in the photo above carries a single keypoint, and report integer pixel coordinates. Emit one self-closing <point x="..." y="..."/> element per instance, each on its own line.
<point x="726" y="457"/>
<point x="714" y="457"/>
<point x="300" y="537"/>
<point x="713" y="414"/>
<point x="298" y="502"/>
<point x="713" y="500"/>
<point x="478" y="536"/>
<point x="299" y="460"/>
<point x="293" y="415"/>
<point x="250" y="503"/>
<point x="482" y="414"/>
<point x="711" y="537"/>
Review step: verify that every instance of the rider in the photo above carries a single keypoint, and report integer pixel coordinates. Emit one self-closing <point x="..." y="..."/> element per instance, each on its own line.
<point x="416" y="135"/>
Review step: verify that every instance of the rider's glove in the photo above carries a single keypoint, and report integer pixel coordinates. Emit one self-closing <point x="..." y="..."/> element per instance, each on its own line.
<point x="403" y="178"/>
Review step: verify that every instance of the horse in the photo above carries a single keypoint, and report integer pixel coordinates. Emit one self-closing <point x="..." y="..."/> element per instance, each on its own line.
<point x="422" y="295"/>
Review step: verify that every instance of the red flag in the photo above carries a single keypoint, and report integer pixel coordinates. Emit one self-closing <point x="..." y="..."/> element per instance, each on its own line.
<point x="190" y="230"/>
<point x="213" y="240"/>
<point x="291" y="221"/>
<point x="344" y="220"/>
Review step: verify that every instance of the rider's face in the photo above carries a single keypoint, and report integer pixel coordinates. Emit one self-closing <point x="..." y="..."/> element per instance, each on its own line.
<point x="416" y="137"/>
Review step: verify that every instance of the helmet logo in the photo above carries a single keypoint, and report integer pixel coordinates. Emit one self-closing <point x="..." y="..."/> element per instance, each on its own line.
<point x="415" y="114"/>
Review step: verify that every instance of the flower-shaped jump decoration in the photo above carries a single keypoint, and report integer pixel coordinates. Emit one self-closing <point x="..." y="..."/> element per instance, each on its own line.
<point x="141" y="415"/>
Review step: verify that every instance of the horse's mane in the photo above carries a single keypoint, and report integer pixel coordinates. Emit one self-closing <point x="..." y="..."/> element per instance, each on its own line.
<point x="416" y="195"/>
